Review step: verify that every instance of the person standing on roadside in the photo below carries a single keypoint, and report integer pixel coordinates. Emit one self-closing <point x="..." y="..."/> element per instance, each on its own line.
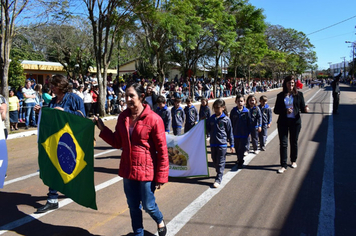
<point x="144" y="165"/>
<point x="289" y="104"/>
<point x="3" y="110"/>
<point x="336" y="92"/>
<point x="29" y="104"/>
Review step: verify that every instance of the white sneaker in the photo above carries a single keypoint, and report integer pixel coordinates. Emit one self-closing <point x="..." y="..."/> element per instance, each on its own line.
<point x="246" y="153"/>
<point x="216" y="185"/>
<point x="294" y="165"/>
<point x="257" y="151"/>
<point x="281" y="170"/>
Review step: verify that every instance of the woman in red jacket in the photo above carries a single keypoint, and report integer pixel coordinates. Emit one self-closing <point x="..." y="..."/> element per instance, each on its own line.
<point x="144" y="160"/>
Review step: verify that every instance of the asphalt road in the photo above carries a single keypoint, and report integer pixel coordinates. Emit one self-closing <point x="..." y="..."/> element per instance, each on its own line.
<point x="317" y="198"/>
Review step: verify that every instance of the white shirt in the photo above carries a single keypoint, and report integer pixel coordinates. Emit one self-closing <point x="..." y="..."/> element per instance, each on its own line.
<point x="28" y="92"/>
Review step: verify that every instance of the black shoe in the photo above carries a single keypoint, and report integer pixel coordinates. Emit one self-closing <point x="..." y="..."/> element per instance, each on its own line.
<point x="162" y="231"/>
<point x="49" y="206"/>
<point x="26" y="127"/>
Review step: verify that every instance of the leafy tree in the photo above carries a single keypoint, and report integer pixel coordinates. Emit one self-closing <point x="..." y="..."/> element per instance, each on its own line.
<point x="106" y="19"/>
<point x="16" y="74"/>
<point x="297" y="47"/>
<point x="250" y="46"/>
<point x="24" y="49"/>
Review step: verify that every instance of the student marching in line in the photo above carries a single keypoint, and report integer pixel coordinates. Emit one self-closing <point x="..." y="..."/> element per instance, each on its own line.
<point x="191" y="114"/>
<point x="204" y="111"/>
<point x="163" y="111"/>
<point x="266" y="112"/>
<point x="178" y="117"/>
<point x="256" y="121"/>
<point x="240" y="120"/>
<point x="220" y="129"/>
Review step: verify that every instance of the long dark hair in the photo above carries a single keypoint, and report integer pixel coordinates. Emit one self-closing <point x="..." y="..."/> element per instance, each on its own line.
<point x="285" y="81"/>
<point x="61" y="82"/>
<point x="220" y="103"/>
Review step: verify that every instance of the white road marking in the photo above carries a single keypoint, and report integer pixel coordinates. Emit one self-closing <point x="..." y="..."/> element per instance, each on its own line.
<point x="326" y="224"/>
<point x="37" y="173"/>
<point x="64" y="202"/>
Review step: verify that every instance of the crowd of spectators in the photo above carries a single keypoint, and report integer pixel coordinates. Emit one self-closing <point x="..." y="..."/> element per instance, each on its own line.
<point x="87" y="88"/>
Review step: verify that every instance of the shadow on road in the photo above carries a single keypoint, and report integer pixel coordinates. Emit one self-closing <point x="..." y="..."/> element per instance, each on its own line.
<point x="10" y="213"/>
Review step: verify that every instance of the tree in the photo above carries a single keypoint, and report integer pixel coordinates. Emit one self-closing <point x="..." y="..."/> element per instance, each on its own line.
<point x="25" y="49"/>
<point x="16" y="74"/>
<point x="10" y="10"/>
<point x="250" y="46"/>
<point x="295" y="44"/>
<point x="106" y="17"/>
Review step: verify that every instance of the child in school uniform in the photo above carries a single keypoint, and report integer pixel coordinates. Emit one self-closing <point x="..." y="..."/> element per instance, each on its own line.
<point x="204" y="111"/>
<point x="266" y="112"/>
<point x="163" y="111"/>
<point x="220" y="129"/>
<point x="256" y="121"/>
<point x="191" y="115"/>
<point x="240" y="120"/>
<point x="178" y="117"/>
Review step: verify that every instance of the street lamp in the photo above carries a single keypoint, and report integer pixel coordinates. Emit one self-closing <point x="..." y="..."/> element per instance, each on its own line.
<point x="353" y="56"/>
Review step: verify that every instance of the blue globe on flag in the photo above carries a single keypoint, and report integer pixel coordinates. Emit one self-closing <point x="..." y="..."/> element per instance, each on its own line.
<point x="66" y="153"/>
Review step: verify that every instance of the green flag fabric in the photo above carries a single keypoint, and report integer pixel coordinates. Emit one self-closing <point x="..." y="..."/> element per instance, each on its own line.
<point x="66" y="155"/>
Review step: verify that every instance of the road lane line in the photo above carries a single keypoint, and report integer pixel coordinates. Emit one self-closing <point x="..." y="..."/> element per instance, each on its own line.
<point x="37" y="173"/>
<point x="62" y="203"/>
<point x="326" y="224"/>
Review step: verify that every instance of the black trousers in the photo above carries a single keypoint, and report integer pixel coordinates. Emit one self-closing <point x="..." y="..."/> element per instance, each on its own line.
<point x="336" y="101"/>
<point x="293" y="129"/>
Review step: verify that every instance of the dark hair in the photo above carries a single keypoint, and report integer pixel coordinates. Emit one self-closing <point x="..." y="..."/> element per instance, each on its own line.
<point x="161" y="99"/>
<point x="188" y="100"/>
<point x="61" y="82"/>
<point x="45" y="88"/>
<point x="264" y="98"/>
<point x="203" y="99"/>
<point x="220" y="103"/>
<point x="238" y="96"/>
<point x="285" y="81"/>
<point x="249" y="98"/>
<point x="13" y="90"/>
<point x="177" y="100"/>
<point x="138" y="88"/>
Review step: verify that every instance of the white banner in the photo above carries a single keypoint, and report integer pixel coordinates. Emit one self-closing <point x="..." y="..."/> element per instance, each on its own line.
<point x="187" y="153"/>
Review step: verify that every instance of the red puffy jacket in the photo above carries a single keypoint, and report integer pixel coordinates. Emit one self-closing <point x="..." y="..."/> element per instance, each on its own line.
<point x="144" y="156"/>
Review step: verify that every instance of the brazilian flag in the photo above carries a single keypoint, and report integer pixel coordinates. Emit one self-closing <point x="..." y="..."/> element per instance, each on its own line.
<point x="66" y="155"/>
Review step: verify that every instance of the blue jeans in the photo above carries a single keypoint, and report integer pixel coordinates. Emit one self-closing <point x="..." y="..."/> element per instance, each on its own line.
<point x="30" y="113"/>
<point x="140" y="194"/>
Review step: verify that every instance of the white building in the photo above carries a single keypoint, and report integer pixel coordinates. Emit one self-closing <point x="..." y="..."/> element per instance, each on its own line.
<point x="335" y="68"/>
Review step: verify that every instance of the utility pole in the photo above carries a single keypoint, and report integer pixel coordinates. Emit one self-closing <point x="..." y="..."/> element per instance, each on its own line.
<point x="353" y="57"/>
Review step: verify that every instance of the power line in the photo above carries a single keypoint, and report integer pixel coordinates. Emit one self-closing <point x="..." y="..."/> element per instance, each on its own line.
<point x="332" y="25"/>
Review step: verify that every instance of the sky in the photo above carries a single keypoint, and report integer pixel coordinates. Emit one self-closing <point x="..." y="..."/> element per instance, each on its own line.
<point x="309" y="16"/>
